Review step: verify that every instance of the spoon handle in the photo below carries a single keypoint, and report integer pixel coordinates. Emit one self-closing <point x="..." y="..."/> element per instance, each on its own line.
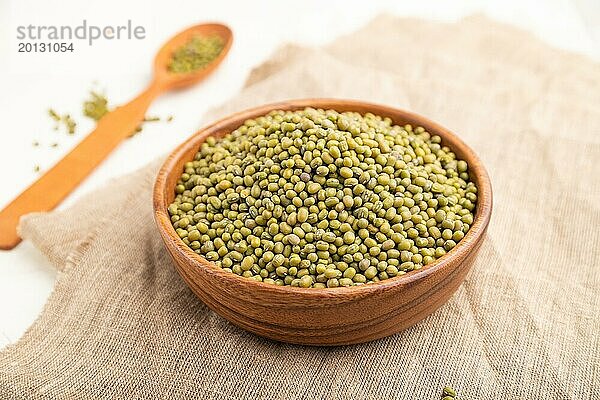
<point x="56" y="183"/>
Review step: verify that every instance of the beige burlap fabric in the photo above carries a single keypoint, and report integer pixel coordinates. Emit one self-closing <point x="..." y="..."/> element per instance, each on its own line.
<point x="524" y="325"/>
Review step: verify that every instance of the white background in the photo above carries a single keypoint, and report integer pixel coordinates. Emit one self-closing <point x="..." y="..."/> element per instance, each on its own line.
<point x="31" y="83"/>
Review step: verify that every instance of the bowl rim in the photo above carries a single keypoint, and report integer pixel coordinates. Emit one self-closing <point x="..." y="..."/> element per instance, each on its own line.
<point x="475" y="234"/>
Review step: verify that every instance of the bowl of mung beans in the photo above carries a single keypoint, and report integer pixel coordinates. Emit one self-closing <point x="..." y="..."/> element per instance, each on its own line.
<point x="323" y="221"/>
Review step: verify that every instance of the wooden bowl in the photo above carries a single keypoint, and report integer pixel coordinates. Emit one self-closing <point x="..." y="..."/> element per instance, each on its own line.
<point x="336" y="316"/>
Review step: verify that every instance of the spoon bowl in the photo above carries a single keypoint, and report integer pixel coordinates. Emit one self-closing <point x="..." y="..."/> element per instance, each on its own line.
<point x="165" y="54"/>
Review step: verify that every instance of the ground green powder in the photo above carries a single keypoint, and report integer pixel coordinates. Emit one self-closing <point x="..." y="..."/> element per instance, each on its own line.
<point x="64" y="120"/>
<point x="96" y="106"/>
<point x="196" y="54"/>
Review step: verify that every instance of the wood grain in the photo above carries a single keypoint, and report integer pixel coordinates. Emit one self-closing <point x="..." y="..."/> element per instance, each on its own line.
<point x="336" y="316"/>
<point x="60" y="180"/>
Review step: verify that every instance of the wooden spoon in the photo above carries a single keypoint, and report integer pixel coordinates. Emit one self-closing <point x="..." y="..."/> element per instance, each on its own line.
<point x="52" y="187"/>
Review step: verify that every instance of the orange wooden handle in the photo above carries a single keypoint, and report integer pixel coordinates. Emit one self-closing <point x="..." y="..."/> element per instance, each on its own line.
<point x="52" y="187"/>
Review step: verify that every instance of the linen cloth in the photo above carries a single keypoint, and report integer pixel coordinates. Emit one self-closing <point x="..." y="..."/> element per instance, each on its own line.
<point x="525" y="324"/>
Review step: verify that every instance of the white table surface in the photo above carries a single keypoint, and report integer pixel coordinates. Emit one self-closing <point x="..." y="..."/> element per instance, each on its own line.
<point x="30" y="83"/>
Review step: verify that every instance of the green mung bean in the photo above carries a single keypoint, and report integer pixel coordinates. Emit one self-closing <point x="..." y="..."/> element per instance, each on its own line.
<point x="317" y="198"/>
<point x="449" y="393"/>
